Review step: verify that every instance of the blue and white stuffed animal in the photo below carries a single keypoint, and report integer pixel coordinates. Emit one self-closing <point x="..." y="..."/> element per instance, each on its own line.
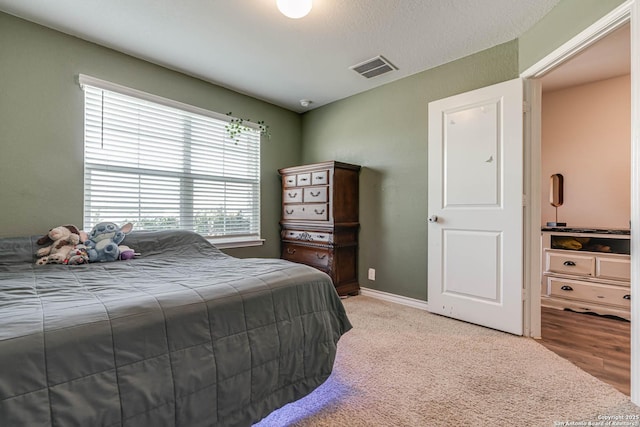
<point x="104" y="239"/>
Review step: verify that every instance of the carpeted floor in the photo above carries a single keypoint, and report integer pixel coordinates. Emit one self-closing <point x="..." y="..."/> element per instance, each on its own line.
<point x="401" y="366"/>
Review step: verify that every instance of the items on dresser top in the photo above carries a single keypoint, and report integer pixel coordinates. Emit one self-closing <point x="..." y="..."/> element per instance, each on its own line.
<point x="320" y="220"/>
<point x="587" y="270"/>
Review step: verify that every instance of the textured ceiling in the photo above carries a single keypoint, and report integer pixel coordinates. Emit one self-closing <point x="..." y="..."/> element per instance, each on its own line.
<point x="248" y="46"/>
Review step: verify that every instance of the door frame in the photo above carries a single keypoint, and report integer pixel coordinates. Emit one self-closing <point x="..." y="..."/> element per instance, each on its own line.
<point x="629" y="11"/>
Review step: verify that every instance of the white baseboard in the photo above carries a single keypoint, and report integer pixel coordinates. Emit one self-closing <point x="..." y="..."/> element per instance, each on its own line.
<point x="398" y="299"/>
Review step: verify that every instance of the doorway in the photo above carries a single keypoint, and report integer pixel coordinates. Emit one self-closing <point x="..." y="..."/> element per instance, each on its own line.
<point x="613" y="23"/>
<point x="586" y="138"/>
<point x="586" y="112"/>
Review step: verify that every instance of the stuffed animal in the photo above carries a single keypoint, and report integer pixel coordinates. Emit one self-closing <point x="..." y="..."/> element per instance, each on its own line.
<point x="60" y="240"/>
<point x="78" y="255"/>
<point x="126" y="253"/>
<point x="103" y="241"/>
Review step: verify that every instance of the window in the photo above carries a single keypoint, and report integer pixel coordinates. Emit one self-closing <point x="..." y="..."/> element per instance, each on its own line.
<point x="161" y="165"/>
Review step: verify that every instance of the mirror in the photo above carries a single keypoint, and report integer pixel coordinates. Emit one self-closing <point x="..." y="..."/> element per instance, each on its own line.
<point x="556" y="190"/>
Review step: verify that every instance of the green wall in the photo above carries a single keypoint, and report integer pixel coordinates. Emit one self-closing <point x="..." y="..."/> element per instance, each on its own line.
<point x="385" y="131"/>
<point x="41" y="126"/>
<point x="565" y="21"/>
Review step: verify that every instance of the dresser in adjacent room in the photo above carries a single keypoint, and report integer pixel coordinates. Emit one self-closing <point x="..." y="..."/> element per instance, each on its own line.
<point x="319" y="225"/>
<point x="587" y="270"/>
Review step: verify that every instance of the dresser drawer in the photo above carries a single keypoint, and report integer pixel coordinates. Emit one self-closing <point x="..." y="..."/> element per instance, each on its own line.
<point x="310" y="255"/>
<point x="292" y="195"/>
<point x="289" y="180"/>
<point x="307" y="236"/>
<point x="568" y="263"/>
<point x="315" y="195"/>
<point x="320" y="177"/>
<point x="590" y="292"/>
<point x="303" y="179"/>
<point x="310" y="211"/>
<point x="614" y="268"/>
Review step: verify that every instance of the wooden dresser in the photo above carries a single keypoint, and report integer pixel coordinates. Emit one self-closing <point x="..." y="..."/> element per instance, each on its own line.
<point x="319" y="225"/>
<point x="587" y="270"/>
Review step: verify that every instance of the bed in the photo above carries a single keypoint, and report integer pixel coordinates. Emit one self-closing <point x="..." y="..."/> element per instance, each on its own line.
<point x="183" y="335"/>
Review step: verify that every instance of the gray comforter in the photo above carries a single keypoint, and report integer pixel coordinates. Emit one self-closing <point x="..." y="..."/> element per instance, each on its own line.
<point x="183" y="335"/>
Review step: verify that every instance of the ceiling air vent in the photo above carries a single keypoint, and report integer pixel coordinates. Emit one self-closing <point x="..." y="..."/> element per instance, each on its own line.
<point x="374" y="67"/>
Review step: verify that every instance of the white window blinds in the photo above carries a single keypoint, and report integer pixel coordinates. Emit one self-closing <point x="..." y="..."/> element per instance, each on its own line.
<point x="164" y="165"/>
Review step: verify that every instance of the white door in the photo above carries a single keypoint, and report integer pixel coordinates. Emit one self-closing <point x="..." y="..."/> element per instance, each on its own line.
<point x="475" y="207"/>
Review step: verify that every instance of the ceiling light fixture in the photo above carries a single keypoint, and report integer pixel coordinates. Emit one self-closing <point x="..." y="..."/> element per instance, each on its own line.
<point x="294" y="8"/>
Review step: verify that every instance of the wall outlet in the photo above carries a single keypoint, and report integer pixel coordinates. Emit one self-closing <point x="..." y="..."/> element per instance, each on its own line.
<point x="372" y="274"/>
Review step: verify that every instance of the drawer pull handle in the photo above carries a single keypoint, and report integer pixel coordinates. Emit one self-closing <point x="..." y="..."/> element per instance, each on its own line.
<point x="569" y="263"/>
<point x="318" y="212"/>
<point x="320" y="178"/>
<point x="566" y="288"/>
<point x="289" y="212"/>
<point x="314" y="195"/>
<point x="627" y="296"/>
<point x="303" y="179"/>
<point x="291" y="251"/>
<point x="292" y="195"/>
<point x="323" y="256"/>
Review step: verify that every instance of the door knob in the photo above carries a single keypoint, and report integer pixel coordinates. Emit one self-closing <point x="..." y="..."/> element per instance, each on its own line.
<point x="433" y="218"/>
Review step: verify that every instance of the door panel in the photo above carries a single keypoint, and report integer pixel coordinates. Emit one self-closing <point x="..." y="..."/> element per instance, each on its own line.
<point x="475" y="206"/>
<point x="477" y="123"/>
<point x="467" y="275"/>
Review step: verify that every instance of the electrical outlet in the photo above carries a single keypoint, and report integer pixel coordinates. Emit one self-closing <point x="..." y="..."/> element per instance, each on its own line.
<point x="372" y="274"/>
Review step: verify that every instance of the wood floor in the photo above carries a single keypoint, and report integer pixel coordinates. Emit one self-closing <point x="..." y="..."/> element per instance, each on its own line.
<point x="598" y="345"/>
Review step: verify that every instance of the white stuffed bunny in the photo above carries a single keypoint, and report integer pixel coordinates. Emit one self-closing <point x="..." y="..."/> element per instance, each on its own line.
<point x="60" y="241"/>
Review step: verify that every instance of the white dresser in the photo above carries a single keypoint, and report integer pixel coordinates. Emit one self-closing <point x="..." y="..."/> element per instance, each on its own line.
<point x="587" y="270"/>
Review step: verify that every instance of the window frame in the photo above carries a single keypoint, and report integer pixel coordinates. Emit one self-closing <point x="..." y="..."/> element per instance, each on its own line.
<point x="227" y="241"/>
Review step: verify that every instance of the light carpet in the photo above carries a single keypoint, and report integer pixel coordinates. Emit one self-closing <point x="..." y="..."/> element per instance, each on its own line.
<point x="400" y="366"/>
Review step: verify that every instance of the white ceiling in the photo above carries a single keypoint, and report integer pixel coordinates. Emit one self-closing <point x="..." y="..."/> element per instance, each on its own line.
<point x="248" y="46"/>
<point x="609" y="57"/>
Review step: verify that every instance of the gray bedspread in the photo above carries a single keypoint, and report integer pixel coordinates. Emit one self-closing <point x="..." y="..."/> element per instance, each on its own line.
<point x="183" y="335"/>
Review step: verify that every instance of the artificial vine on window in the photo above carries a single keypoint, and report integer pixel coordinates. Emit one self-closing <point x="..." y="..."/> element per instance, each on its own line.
<point x="236" y="127"/>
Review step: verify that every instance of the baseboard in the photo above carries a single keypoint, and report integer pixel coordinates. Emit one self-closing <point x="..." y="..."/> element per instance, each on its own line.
<point x="398" y="299"/>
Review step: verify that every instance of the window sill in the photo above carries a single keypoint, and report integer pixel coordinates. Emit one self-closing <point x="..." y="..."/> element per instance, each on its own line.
<point x="241" y="242"/>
